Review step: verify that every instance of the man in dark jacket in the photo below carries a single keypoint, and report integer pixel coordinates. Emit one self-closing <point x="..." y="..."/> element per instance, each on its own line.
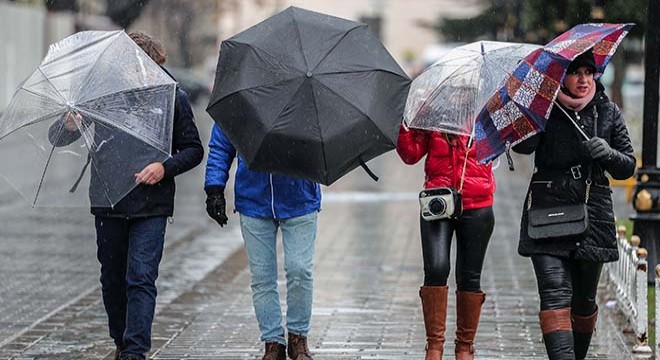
<point x="268" y="202"/>
<point x="131" y="233"/>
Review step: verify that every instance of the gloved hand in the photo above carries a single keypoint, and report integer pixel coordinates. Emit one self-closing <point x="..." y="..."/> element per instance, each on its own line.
<point x="598" y="149"/>
<point x="215" y="204"/>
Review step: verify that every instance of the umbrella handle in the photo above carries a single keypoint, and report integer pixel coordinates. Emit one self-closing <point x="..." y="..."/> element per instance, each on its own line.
<point x="82" y="172"/>
<point x="366" y="168"/>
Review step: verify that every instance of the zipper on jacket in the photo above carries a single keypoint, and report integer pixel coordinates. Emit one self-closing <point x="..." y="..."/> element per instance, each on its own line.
<point x="547" y="183"/>
<point x="272" y="195"/>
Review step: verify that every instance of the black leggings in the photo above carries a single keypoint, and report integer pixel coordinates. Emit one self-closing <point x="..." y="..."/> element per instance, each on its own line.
<point x="566" y="282"/>
<point x="473" y="229"/>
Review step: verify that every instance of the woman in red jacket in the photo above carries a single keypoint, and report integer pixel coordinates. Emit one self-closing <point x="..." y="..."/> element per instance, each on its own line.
<point x="446" y="157"/>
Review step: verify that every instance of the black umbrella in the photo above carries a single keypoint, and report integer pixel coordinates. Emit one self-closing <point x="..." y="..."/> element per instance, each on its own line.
<point x="308" y="95"/>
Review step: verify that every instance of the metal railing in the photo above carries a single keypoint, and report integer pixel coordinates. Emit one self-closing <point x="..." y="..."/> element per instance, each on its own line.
<point x="628" y="281"/>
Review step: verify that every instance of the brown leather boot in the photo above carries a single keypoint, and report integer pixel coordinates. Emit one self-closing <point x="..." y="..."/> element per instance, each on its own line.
<point x="274" y="351"/>
<point x="557" y="333"/>
<point x="583" y="328"/>
<point x="297" y="348"/>
<point x="468" y="312"/>
<point x="434" y="305"/>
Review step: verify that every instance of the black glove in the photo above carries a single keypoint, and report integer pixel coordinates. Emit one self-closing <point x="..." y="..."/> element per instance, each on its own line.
<point x="598" y="149"/>
<point x="215" y="204"/>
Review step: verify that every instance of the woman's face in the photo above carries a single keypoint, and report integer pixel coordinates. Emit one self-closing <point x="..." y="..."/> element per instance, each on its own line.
<point x="579" y="82"/>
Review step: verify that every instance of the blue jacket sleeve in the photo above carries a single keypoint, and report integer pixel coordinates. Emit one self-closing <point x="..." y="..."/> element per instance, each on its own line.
<point x="221" y="156"/>
<point x="187" y="149"/>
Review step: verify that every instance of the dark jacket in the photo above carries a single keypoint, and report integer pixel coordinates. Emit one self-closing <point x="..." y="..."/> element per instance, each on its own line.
<point x="558" y="149"/>
<point x="144" y="200"/>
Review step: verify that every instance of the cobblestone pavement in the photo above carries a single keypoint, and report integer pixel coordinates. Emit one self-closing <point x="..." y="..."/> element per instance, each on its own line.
<point x="367" y="273"/>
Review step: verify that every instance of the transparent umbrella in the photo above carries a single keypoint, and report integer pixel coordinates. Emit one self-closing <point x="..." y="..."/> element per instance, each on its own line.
<point x="95" y="112"/>
<point x="449" y="94"/>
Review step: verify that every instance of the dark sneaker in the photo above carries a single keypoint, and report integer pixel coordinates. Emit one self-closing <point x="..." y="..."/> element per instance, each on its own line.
<point x="274" y="351"/>
<point x="297" y="348"/>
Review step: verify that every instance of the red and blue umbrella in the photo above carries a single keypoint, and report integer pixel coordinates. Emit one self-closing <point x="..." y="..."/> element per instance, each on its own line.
<point x="522" y="105"/>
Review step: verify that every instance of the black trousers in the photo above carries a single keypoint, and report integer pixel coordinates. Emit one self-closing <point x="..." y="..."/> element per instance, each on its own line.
<point x="473" y="230"/>
<point x="565" y="282"/>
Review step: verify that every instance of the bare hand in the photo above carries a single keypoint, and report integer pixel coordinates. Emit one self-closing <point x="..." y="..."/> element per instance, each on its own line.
<point x="151" y="174"/>
<point x="71" y="119"/>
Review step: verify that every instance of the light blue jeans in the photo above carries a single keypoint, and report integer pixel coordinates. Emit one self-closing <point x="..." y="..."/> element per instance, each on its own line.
<point x="260" y="237"/>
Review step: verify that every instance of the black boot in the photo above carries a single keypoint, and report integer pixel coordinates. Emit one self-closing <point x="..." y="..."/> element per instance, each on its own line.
<point x="557" y="333"/>
<point x="583" y="328"/>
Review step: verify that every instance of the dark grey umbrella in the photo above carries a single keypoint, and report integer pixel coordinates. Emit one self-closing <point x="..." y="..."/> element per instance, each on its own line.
<point x="308" y="95"/>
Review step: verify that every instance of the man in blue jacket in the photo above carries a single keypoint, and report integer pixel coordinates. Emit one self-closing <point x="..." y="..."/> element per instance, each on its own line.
<point x="268" y="202"/>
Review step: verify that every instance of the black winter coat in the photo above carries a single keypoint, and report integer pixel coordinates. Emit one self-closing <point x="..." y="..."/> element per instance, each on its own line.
<point x="145" y="200"/>
<point x="558" y="149"/>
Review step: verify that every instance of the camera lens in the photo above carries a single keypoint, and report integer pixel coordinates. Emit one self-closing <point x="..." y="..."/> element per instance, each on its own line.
<point x="437" y="206"/>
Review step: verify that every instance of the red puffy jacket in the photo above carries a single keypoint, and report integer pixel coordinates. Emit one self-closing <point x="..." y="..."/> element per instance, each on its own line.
<point x="444" y="165"/>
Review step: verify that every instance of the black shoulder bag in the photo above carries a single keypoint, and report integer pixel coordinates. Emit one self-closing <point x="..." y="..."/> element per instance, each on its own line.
<point x="561" y="221"/>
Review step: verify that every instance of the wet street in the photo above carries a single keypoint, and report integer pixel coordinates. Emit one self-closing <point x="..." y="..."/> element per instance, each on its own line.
<point x="367" y="274"/>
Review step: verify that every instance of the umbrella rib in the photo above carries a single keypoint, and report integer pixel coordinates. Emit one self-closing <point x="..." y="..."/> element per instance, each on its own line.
<point x="39" y="119"/>
<point x="42" y="95"/>
<point x="335" y="46"/>
<point x="91" y="68"/>
<point x="125" y="90"/>
<point x="355" y="107"/>
<point x="249" y="88"/>
<point x="286" y="103"/>
<point x="435" y="92"/>
<point x="300" y="41"/>
<point x="325" y="158"/>
<point x="284" y="65"/>
<point x="52" y="85"/>
<point x="125" y="129"/>
<point x="43" y="175"/>
<point x="358" y="72"/>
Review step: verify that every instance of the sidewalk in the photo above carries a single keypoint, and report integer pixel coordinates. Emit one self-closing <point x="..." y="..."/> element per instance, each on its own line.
<point x="367" y="273"/>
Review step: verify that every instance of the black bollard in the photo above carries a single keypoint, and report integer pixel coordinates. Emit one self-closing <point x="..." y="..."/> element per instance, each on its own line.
<point x="646" y="201"/>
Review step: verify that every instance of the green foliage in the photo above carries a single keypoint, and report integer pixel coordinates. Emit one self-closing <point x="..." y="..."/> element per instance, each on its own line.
<point x="539" y="20"/>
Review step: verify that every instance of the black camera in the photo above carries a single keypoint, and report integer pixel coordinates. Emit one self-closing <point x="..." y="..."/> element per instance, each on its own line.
<point x="440" y="203"/>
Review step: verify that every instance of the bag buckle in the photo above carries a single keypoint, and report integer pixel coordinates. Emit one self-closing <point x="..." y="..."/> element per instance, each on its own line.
<point x="575" y="171"/>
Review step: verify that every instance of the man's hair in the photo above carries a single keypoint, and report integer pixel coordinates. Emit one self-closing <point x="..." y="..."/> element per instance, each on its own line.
<point x="152" y="46"/>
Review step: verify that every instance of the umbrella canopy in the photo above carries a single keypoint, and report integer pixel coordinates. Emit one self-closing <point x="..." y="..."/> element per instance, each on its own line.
<point x="308" y="95"/>
<point x="95" y="112"/>
<point x="449" y="94"/>
<point x="521" y="107"/>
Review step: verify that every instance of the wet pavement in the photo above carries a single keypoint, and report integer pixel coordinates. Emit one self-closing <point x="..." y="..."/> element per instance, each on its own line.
<point x="367" y="274"/>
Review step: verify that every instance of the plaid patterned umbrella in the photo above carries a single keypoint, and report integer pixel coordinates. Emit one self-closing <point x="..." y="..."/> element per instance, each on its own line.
<point x="521" y="107"/>
<point x="449" y="94"/>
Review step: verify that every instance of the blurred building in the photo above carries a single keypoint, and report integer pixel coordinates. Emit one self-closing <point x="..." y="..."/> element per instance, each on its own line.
<point x="404" y="26"/>
<point x="27" y="29"/>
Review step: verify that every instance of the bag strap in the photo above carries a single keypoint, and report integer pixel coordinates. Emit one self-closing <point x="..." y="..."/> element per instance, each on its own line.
<point x="467" y="153"/>
<point x="591" y="163"/>
<point x="588" y="181"/>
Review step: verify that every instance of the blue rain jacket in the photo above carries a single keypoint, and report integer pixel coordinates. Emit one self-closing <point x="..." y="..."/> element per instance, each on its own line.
<point x="259" y="194"/>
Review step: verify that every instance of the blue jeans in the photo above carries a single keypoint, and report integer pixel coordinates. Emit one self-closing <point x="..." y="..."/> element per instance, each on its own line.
<point x="298" y="235"/>
<point x="129" y="251"/>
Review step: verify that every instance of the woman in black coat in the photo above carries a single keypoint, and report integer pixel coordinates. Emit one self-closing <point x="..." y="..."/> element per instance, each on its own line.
<point x="568" y="268"/>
